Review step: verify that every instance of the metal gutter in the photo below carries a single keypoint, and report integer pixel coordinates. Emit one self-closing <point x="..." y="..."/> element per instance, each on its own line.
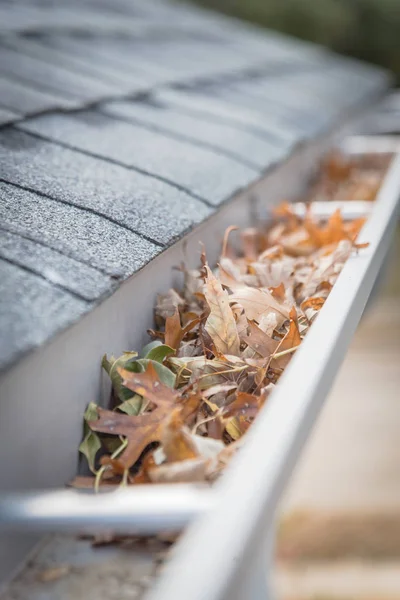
<point x="248" y="494"/>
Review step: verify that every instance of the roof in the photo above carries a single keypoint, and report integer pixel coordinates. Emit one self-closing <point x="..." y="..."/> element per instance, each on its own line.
<point x="124" y="124"/>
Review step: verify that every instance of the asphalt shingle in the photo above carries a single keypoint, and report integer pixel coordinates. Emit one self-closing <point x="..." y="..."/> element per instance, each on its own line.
<point x="51" y="78"/>
<point x="202" y="172"/>
<point x="165" y="117"/>
<point x="7" y="115"/>
<point x="64" y="272"/>
<point x="78" y="234"/>
<point x="143" y="204"/>
<point x="31" y="311"/>
<point x="219" y="110"/>
<point x="20" y="96"/>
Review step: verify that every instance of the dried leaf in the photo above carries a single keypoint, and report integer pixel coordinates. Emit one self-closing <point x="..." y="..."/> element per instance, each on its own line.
<point x="177" y="440"/>
<point x="164" y="374"/>
<point x="140" y="431"/>
<point x="245" y="405"/>
<point x="174" y="332"/>
<point x="233" y="428"/>
<point x="220" y="324"/>
<point x="259" y="341"/>
<point x="257" y="303"/>
<point x="218" y="389"/>
<point x="291" y="340"/>
<point x="185" y="471"/>
<point x="166" y="304"/>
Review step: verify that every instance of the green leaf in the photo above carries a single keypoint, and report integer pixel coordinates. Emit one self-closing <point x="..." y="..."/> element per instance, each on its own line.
<point x="166" y="376"/>
<point x="91" y="441"/>
<point x="91" y="413"/>
<point x="148" y="347"/>
<point x="160" y="352"/>
<point x="133" y="406"/>
<point x="111" y="366"/>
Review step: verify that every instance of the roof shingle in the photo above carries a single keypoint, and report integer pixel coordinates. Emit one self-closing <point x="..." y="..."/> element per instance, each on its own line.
<point x="132" y="122"/>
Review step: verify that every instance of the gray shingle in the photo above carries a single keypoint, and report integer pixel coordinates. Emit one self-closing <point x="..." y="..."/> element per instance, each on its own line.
<point x="103" y="50"/>
<point x="58" y="269"/>
<point x="75" y="232"/>
<point x="7" y="115"/>
<point x="25" y="99"/>
<point x="119" y="85"/>
<point x="141" y="203"/>
<point x="202" y="172"/>
<point x="31" y="311"/>
<point x="220" y="110"/>
<point x="238" y="95"/>
<point x="285" y="100"/>
<point x="27" y="16"/>
<point x="50" y="77"/>
<point x="190" y="57"/>
<point x="241" y="145"/>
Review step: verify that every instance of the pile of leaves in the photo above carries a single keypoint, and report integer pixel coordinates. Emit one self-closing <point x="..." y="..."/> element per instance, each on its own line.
<point x="349" y="177"/>
<point x="181" y="407"/>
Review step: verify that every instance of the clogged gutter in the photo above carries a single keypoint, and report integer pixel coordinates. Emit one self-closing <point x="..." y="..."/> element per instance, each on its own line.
<point x="181" y="407"/>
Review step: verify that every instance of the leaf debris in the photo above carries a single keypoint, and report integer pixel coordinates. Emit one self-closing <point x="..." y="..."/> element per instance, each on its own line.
<point x="181" y="407"/>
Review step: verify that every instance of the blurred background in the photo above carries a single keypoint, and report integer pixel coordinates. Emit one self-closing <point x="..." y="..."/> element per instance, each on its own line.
<point x="365" y="29"/>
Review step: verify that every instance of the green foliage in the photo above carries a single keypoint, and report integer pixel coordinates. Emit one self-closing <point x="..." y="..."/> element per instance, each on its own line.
<point x="91" y="441"/>
<point x="365" y="29"/>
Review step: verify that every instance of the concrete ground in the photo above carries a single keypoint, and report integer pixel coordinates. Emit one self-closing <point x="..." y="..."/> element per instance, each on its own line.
<point x="341" y="514"/>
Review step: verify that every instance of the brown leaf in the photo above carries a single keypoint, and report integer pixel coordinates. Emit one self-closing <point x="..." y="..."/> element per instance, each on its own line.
<point x="246" y="405"/>
<point x="176" y="439"/>
<point x="278" y="292"/>
<point x="291" y="340"/>
<point x="166" y="304"/>
<point x="148" y="385"/>
<point x="250" y="238"/>
<point x="314" y="303"/>
<point x="225" y="247"/>
<point x="259" y="341"/>
<point x="86" y="482"/>
<point x="140" y="431"/>
<point x="174" y="332"/>
<point x="185" y="471"/>
<point x="257" y="303"/>
<point x="220" y="324"/>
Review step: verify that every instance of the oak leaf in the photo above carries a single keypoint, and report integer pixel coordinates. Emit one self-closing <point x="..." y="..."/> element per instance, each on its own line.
<point x="291" y="340"/>
<point x="140" y="431"/>
<point x="258" y="303"/>
<point x="176" y="439"/>
<point x="220" y="324"/>
<point x="259" y="341"/>
<point x="174" y="332"/>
